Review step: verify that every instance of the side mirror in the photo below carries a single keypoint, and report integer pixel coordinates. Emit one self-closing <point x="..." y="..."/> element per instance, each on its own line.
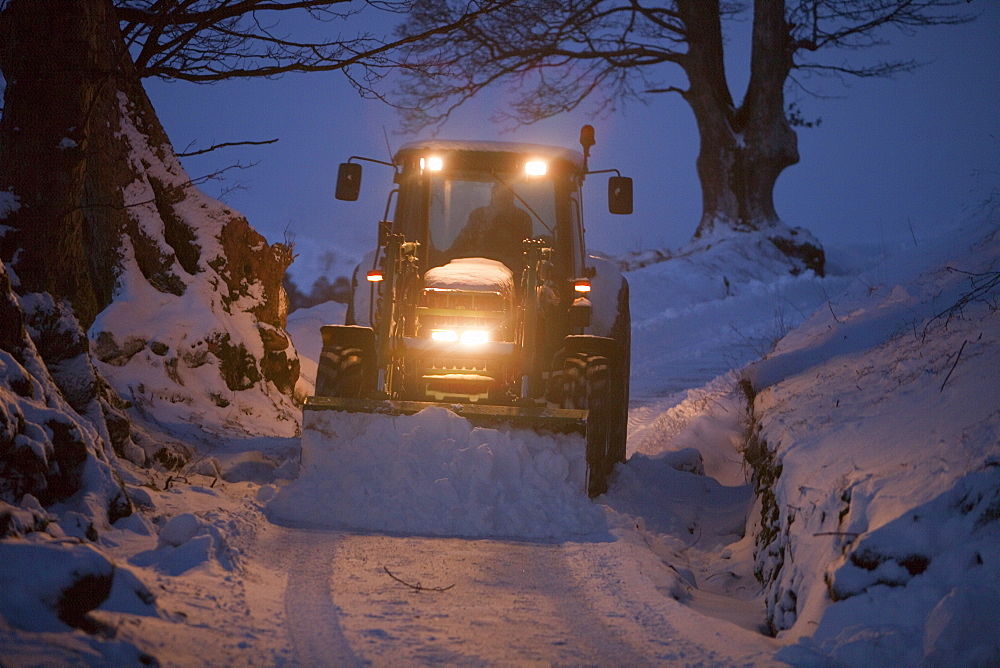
<point x="348" y="181"/>
<point x="620" y="195"/>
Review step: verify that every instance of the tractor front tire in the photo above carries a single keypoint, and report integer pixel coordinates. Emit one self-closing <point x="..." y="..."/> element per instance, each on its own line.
<point x="346" y="364"/>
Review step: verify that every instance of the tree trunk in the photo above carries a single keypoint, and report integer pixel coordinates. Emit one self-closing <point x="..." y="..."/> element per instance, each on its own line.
<point x="170" y="283"/>
<point x="744" y="149"/>
<point x="57" y="63"/>
<point x="770" y="144"/>
<point x="710" y="100"/>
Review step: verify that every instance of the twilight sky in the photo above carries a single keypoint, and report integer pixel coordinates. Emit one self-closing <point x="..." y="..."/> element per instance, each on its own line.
<point x="915" y="152"/>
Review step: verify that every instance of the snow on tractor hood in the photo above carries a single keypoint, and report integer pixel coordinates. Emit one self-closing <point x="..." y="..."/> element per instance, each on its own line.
<point x="473" y="274"/>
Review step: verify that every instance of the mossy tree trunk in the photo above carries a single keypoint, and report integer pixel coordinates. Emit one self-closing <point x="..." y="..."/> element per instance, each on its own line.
<point x="107" y="221"/>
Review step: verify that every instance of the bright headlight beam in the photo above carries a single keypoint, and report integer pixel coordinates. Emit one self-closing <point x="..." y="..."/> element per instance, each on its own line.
<point x="474" y="336"/>
<point x="469" y="337"/>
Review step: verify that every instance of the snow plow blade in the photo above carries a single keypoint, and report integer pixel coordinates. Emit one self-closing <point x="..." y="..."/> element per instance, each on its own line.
<point x="537" y="418"/>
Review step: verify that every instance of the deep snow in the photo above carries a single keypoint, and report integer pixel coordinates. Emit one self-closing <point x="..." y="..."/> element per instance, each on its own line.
<point x="883" y="420"/>
<point x="435" y="474"/>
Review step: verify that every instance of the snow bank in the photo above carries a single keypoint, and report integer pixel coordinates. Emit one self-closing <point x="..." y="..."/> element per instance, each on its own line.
<point x="714" y="307"/>
<point x="195" y="341"/>
<point x="433" y="473"/>
<point x="186" y="543"/>
<point x="67" y="582"/>
<point x="880" y="529"/>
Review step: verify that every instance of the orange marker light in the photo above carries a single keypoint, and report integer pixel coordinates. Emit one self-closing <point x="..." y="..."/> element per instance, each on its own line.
<point x="375" y="275"/>
<point x="581" y="285"/>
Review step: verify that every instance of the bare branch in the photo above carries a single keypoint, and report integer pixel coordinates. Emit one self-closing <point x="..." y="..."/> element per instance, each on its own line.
<point x="554" y="54"/>
<point x="985" y="289"/>
<point x="224" y="145"/>
<point x="205" y="41"/>
<point x="191" y="183"/>
<point x="848" y="25"/>
<point x="952" y="369"/>
<point x="418" y="586"/>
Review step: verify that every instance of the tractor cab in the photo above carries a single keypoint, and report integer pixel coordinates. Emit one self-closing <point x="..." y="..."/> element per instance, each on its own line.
<point x="483" y="199"/>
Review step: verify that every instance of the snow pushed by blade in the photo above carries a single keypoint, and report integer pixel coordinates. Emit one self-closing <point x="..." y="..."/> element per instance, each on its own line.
<point x="434" y="473"/>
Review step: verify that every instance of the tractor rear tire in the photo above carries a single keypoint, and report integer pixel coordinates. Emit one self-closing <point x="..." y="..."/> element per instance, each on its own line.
<point x="595" y="376"/>
<point x="621" y="332"/>
<point x="587" y="384"/>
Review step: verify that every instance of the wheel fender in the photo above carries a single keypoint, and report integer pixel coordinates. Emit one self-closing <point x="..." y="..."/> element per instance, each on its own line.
<point x="605" y="286"/>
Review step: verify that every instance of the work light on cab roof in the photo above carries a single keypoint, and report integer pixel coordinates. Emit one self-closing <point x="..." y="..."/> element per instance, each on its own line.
<point x="535" y="168"/>
<point x="433" y="163"/>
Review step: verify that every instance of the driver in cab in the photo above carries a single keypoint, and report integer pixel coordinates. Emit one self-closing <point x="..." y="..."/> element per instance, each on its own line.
<point x="495" y="231"/>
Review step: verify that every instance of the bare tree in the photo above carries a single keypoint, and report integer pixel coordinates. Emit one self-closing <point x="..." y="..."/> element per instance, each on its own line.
<point x="561" y="53"/>
<point x="205" y="41"/>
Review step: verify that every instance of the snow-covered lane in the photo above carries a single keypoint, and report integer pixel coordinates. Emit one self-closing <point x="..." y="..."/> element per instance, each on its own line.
<point x="375" y="599"/>
<point x="632" y="589"/>
<point x="502" y="602"/>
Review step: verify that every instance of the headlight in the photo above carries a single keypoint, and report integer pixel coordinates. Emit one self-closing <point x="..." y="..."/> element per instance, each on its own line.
<point x="474" y="336"/>
<point x="469" y="337"/>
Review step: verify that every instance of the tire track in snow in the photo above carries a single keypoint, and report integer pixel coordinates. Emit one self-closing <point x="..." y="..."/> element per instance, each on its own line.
<point x="312" y="620"/>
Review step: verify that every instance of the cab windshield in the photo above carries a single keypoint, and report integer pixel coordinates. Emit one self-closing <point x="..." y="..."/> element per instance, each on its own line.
<point x="481" y="215"/>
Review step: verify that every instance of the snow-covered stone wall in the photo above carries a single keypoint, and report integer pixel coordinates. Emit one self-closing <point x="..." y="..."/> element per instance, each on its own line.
<point x="878" y="512"/>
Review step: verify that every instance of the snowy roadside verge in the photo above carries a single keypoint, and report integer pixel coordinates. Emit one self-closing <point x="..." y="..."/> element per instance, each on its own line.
<point x="879" y="425"/>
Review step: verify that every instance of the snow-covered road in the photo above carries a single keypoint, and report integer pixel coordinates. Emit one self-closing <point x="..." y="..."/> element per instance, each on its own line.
<point x="355" y="598"/>
<point x="421" y="576"/>
<point x="616" y="585"/>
